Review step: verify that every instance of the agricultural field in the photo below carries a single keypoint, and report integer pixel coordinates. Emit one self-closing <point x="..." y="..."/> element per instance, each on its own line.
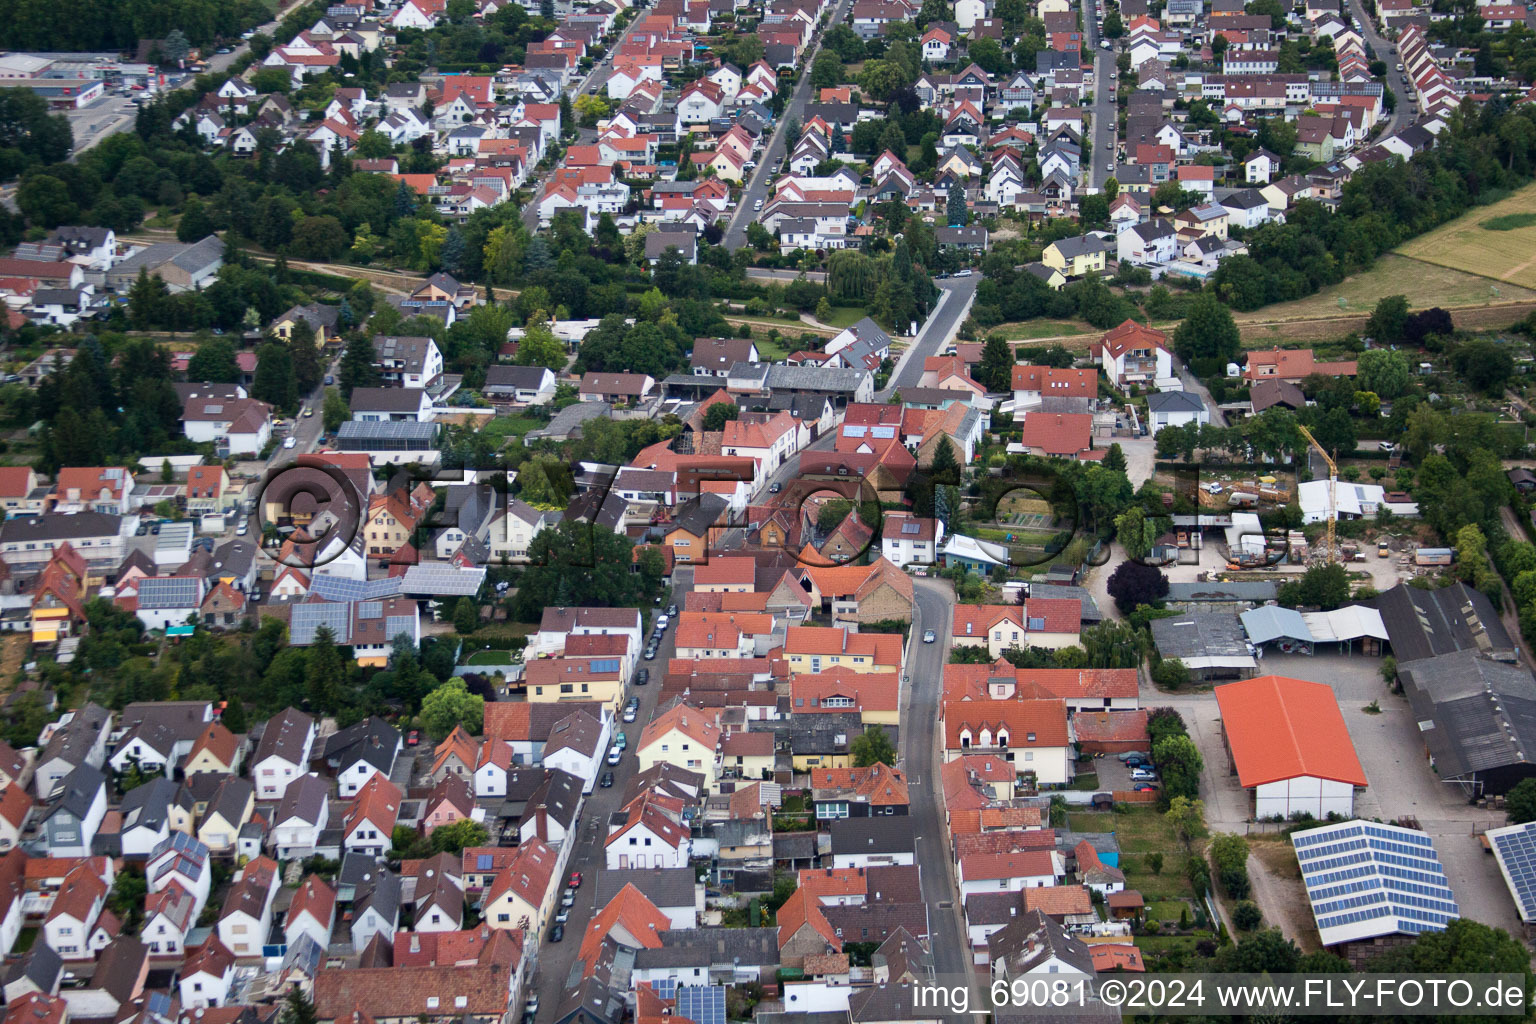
<point x="1497" y="241"/>
<point x="1425" y="283"/>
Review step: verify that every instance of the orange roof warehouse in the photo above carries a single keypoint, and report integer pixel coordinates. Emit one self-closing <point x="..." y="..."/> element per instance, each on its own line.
<point x="1290" y="746"/>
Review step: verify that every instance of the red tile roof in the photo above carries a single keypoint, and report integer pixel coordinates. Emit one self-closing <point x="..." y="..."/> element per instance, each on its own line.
<point x="1280" y="728"/>
<point x="1058" y="433"/>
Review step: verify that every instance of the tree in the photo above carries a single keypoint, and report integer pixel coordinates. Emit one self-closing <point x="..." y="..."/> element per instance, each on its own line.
<point x="214" y="363"/>
<point x="298" y="1009"/>
<point x="335" y="411"/>
<point x="539" y="346"/>
<point x="1388" y="319"/>
<point x="1178" y="759"/>
<point x="1133" y="584"/>
<point x="30" y="128"/>
<point x="944" y="468"/>
<point x="1385" y="372"/>
<point x="195" y="224"/>
<point x="826" y="69"/>
<point x="1247" y="916"/>
<point x="1267" y="951"/>
<point x="327" y="674"/>
<point x="1520" y="802"/>
<point x="871" y="746"/>
<point x="320" y="238"/>
<point x="719" y="414"/>
<point x="1208" y="332"/>
<point x="987" y="54"/>
<point x="456" y="835"/>
<point x="449" y="705"/>
<point x="995" y="371"/>
<point x="1155" y="862"/>
<point x="1484" y="364"/>
<point x="955" y="209"/>
<point x="466" y="616"/>
<point x="1186" y="815"/>
<point x="1324" y="587"/>
<point x="275" y="381"/>
<point x="357" y="368"/>
<point x="1135" y="532"/>
<point x="1114" y="25"/>
<point x="1114" y="458"/>
<point x="1165" y="722"/>
<point x="586" y="563"/>
<point x="1170" y="674"/>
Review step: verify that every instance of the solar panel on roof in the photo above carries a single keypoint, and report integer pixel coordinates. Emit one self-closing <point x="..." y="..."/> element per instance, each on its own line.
<point x="158" y="1003"/>
<point x="883" y="432"/>
<point x="701" y="1004"/>
<point x="1515" y="849"/>
<point x="485" y="861"/>
<point x="911" y="528"/>
<point x="370" y="609"/>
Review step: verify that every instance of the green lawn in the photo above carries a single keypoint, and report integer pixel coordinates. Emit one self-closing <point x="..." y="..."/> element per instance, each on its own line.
<point x="770" y="351"/>
<point x="1169" y="911"/>
<point x="844" y="316"/>
<point x="510" y="426"/>
<point x="1142" y="830"/>
<point x="1086" y="782"/>
<point x="489" y="658"/>
<point x="1032" y="329"/>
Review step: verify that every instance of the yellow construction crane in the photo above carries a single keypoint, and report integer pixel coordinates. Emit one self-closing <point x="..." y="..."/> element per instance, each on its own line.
<point x="1333" y="483"/>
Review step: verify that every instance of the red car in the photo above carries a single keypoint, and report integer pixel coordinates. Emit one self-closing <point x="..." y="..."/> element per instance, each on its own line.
<point x="413" y="737"/>
<point x="575" y="882"/>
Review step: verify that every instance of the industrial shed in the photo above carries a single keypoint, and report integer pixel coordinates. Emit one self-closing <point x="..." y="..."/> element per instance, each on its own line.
<point x="1290" y="747"/>
<point x="1211" y="645"/>
<point x="1477" y="718"/>
<point x="1428" y="623"/>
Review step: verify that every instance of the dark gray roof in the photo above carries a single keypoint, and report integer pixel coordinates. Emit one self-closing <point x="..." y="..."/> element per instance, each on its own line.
<point x="305" y="799"/>
<point x="854" y="836"/>
<point x="78" y="790"/>
<point x="74" y="741"/>
<point x="698" y="514"/>
<point x="567" y="422"/>
<point x="149" y="805"/>
<point x="560" y="797"/>
<point x="683" y="947"/>
<point x="40" y="965"/>
<point x="1426" y="623"/>
<point x="59" y="526"/>
<point x="373" y="740"/>
<point x="381" y="892"/>
<point x="1031" y="938"/>
<point x="814" y="378"/>
<point x="1474" y="714"/>
<point x="1200" y="635"/>
<point x="1175" y="401"/>
<point x="1080" y="245"/>
<point x="230" y="799"/>
<point x="386" y="400"/>
<point x="502" y="377"/>
<point x="283" y="736"/>
<point x="666" y="887"/>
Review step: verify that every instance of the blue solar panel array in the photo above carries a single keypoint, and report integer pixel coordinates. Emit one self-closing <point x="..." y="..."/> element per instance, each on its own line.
<point x="1362" y="871"/>
<point x="702" y="1004"/>
<point x="341" y="588"/>
<point x="1516" y="850"/>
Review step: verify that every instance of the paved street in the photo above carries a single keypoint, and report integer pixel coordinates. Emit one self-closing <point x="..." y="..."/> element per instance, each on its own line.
<point x="773" y="156"/>
<point x="1397" y="81"/>
<point x="920" y="752"/>
<point x="936" y="333"/>
<point x="556" y="958"/>
<point x="113" y="114"/>
<point x="1105" y="109"/>
<point x="594" y="82"/>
